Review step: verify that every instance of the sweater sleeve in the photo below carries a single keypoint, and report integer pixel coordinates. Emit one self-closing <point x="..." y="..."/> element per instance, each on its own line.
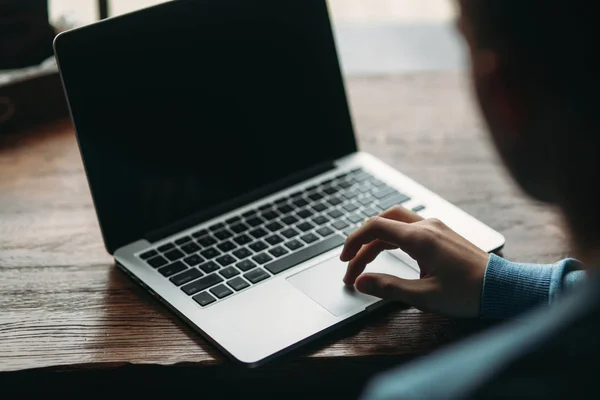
<point x="512" y="288"/>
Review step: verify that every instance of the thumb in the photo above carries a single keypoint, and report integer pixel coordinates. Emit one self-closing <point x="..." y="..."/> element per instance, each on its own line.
<point x="389" y="287"/>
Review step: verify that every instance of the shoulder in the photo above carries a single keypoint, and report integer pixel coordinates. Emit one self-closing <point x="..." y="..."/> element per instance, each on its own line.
<point x="544" y="354"/>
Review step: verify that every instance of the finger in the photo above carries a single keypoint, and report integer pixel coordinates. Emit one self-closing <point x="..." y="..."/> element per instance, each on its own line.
<point x="365" y="256"/>
<point x="401" y="214"/>
<point x="413" y="292"/>
<point x="393" y="232"/>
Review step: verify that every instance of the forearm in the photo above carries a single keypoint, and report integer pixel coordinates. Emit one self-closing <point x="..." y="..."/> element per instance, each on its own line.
<point x="512" y="288"/>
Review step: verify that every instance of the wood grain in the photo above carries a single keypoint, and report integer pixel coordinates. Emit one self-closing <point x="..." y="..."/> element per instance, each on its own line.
<point x="63" y="304"/>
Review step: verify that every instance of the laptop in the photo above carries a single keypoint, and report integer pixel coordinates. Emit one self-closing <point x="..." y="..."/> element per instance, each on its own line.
<point x="220" y="154"/>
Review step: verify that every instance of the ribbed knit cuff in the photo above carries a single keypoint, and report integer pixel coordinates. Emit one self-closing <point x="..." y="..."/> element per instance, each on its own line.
<point x="511" y="288"/>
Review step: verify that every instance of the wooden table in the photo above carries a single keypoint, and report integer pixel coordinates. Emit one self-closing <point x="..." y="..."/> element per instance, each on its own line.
<point x="69" y="318"/>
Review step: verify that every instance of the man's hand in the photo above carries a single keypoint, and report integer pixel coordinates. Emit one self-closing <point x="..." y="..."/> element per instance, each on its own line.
<point x="452" y="268"/>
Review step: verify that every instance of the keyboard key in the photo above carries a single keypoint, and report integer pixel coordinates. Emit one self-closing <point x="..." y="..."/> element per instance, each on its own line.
<point x="193" y="260"/>
<point x="210" y="253"/>
<point x="384" y="192"/>
<point x="227" y="246"/>
<point x="245" y="265"/>
<point x="334" y="201"/>
<point x="325" y="231"/>
<point x="207" y="241"/>
<point x="242" y="253"/>
<point x="238" y="284"/>
<point x="233" y="220"/>
<point x="365" y="189"/>
<point x="320" y="220"/>
<point x="349" y="230"/>
<point x="255" y="221"/>
<point x="221" y="291"/>
<point x="351" y="194"/>
<point x="289" y="220"/>
<point x="224" y="234"/>
<point x="304" y="214"/>
<point x="242" y="239"/>
<point x="280" y="201"/>
<point x="300" y="203"/>
<point x="226" y="260"/>
<point x="335" y="213"/>
<point x="256" y="275"/>
<point x="366" y="200"/>
<point x="284" y="209"/>
<point x="187" y="276"/>
<point x="356" y="218"/>
<point x="285" y="263"/>
<point x="265" y="207"/>
<point x="294" y="244"/>
<point x="309" y="238"/>
<point x="239" y="228"/>
<point x="319" y="207"/>
<point x="330" y="190"/>
<point x="310" y="188"/>
<point x="183" y="240"/>
<point x="350" y="207"/>
<point x="393" y="200"/>
<point x="258" y="246"/>
<point x="296" y="194"/>
<point x="315" y="196"/>
<point x="204" y="299"/>
<point x="148" y="254"/>
<point x="157" y="262"/>
<point x="270" y="215"/>
<point x="262" y="258"/>
<point x="360" y="177"/>
<point x="209" y="267"/>
<point x="166" y="247"/>
<point x="418" y="208"/>
<point x="339" y="225"/>
<point x="344" y="184"/>
<point x="229" y="272"/>
<point x="278" y="251"/>
<point x="370" y="212"/>
<point x="376" y="182"/>
<point x="258" y="233"/>
<point x="172" y="269"/>
<point x="216" y="227"/>
<point x="248" y="214"/>
<point x="174" y="255"/>
<point x="290" y="233"/>
<point x="190" y="248"/>
<point x="305" y="226"/>
<point x="274" y="239"/>
<point x="274" y="226"/>
<point x="200" y="233"/>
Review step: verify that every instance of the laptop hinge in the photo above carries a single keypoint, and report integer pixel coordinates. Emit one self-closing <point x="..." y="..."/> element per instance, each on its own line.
<point x="255" y="195"/>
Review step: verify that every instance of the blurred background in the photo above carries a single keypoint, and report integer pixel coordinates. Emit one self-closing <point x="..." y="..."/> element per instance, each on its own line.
<point x="375" y="37"/>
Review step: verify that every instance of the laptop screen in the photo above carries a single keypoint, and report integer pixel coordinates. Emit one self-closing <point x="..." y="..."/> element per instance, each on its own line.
<point x="187" y="105"/>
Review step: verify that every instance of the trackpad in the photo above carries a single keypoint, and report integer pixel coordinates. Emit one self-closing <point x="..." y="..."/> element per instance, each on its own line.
<point x="323" y="283"/>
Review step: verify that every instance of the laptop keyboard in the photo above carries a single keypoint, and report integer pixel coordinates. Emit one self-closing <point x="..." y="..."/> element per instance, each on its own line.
<point x="231" y="256"/>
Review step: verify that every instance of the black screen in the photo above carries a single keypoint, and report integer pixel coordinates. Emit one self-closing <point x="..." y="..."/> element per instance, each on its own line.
<point x="185" y="106"/>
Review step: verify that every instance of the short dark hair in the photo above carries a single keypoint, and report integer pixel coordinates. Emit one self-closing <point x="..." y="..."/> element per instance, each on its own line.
<point x="550" y="42"/>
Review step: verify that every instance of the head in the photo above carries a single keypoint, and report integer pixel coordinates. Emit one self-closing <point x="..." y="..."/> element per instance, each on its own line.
<point x="535" y="76"/>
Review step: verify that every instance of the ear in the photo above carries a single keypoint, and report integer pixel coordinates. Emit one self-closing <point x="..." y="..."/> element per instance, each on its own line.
<point x="497" y="92"/>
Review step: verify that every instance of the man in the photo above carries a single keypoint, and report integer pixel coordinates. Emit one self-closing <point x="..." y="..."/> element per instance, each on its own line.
<point x="535" y="78"/>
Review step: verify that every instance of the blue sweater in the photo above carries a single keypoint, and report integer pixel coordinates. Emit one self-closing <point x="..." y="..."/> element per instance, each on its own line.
<point x="509" y="290"/>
